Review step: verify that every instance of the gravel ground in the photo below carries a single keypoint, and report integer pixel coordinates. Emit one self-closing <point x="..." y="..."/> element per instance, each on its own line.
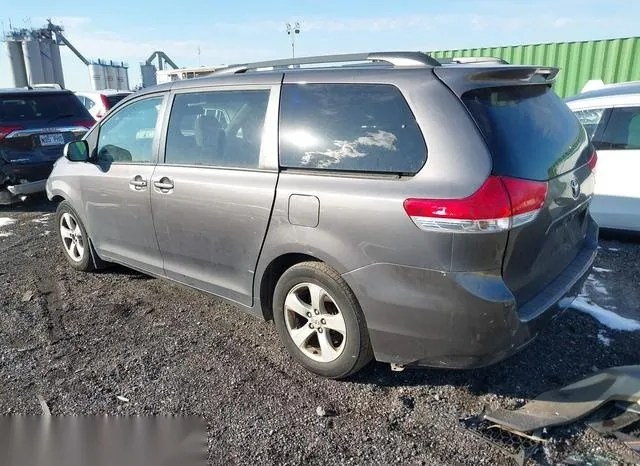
<point x="82" y="340"/>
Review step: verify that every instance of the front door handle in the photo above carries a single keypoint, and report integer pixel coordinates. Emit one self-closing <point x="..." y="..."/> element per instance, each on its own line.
<point x="138" y="182"/>
<point x="163" y="184"/>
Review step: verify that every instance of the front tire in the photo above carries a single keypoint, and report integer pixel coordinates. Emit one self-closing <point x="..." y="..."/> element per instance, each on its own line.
<point x="73" y="238"/>
<point x="320" y="321"/>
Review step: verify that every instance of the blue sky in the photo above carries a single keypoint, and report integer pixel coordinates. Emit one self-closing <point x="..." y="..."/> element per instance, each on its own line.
<point x="239" y="31"/>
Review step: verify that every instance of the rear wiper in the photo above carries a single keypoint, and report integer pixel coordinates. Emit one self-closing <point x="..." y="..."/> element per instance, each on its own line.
<point x="60" y="117"/>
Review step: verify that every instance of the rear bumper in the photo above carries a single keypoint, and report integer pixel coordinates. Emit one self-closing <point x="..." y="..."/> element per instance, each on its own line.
<point x="27" y="188"/>
<point x="458" y="320"/>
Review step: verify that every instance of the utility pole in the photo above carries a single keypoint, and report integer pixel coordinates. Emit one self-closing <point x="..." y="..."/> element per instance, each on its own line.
<point x="292" y="30"/>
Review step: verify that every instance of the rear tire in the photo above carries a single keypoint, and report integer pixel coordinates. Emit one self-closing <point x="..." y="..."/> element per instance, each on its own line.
<point x="320" y="321"/>
<point x="73" y="237"/>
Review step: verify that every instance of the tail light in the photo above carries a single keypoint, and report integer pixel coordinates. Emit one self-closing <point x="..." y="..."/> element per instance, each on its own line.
<point x="105" y="107"/>
<point x="7" y="130"/>
<point x="500" y="204"/>
<point x="86" y="123"/>
<point x="593" y="161"/>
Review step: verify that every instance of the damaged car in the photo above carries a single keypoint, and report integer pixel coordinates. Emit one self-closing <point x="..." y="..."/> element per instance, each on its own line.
<point x="35" y="124"/>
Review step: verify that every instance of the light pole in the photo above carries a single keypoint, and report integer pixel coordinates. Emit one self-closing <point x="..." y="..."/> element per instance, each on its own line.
<point x="292" y="30"/>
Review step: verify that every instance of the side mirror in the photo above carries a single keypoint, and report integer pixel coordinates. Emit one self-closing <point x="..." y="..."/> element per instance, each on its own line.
<point x="77" y="151"/>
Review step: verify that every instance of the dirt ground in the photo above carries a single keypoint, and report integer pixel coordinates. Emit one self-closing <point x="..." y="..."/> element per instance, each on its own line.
<point x="82" y="340"/>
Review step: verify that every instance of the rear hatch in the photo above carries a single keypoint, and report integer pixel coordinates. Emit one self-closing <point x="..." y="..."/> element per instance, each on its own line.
<point x="35" y="125"/>
<point x="532" y="135"/>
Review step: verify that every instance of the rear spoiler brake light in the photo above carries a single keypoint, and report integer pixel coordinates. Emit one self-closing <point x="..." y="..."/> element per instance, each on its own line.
<point x="461" y="79"/>
<point x="527" y="74"/>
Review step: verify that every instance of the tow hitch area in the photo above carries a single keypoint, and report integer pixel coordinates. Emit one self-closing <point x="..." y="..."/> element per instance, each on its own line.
<point x="607" y="401"/>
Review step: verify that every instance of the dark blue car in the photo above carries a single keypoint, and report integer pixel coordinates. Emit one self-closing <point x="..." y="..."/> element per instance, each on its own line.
<point x="35" y="124"/>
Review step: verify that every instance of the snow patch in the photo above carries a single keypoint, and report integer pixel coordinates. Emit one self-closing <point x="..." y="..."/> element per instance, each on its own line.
<point x="603" y="338"/>
<point x="6" y="221"/>
<point x="5" y="234"/>
<point x="596" y="285"/>
<point x="613" y="249"/>
<point x="601" y="270"/>
<point x="606" y="317"/>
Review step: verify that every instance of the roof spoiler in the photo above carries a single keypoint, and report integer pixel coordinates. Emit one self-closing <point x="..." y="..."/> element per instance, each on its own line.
<point x="461" y="79"/>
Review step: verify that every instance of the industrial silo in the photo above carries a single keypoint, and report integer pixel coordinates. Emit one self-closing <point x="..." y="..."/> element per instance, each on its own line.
<point x="97" y="76"/>
<point x="58" y="74"/>
<point x="110" y="73"/>
<point x="125" y="71"/>
<point x="47" y="62"/>
<point x="32" y="61"/>
<point x="148" y="73"/>
<point x="119" y="77"/>
<point x="16" y="62"/>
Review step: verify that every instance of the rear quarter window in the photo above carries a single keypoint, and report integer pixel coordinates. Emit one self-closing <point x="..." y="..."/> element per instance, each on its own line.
<point x="349" y="127"/>
<point x="530" y="131"/>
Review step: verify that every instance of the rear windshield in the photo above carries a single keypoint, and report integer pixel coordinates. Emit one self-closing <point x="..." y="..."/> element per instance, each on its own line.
<point x="39" y="106"/>
<point x="114" y="99"/>
<point x="530" y="131"/>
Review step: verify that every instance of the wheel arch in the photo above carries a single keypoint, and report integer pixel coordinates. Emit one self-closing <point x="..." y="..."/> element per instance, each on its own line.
<point x="272" y="273"/>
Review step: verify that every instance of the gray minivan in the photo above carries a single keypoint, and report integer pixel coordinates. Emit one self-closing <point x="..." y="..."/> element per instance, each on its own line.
<point x="390" y="206"/>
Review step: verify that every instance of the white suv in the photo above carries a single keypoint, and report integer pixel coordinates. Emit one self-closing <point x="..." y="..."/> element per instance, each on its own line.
<point x="100" y="102"/>
<point x="611" y="116"/>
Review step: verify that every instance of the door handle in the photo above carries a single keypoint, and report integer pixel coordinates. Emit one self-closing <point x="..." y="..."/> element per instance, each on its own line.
<point x="164" y="184"/>
<point x="138" y="182"/>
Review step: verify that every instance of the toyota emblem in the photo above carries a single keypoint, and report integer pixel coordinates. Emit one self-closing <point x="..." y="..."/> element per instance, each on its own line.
<point x="575" y="188"/>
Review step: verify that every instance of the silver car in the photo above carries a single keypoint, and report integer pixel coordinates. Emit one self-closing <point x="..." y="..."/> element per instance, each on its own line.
<point x="611" y="116"/>
<point x="416" y="212"/>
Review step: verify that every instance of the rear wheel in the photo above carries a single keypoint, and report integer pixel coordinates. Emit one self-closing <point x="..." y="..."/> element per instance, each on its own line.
<point x="73" y="238"/>
<point x="320" y="321"/>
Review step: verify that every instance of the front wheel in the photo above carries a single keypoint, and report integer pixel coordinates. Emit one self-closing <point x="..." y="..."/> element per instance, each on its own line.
<point x="73" y="238"/>
<point x="320" y="321"/>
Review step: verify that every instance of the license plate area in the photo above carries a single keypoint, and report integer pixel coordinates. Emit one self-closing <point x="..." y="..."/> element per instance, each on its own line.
<point x="53" y="139"/>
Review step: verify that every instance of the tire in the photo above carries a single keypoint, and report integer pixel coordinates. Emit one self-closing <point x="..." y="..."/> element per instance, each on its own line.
<point x="334" y="346"/>
<point x="77" y="247"/>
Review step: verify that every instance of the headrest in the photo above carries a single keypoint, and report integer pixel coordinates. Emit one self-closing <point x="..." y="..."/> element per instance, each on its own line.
<point x="207" y="131"/>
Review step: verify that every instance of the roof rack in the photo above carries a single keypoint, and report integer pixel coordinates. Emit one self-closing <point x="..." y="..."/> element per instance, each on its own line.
<point x="393" y="58"/>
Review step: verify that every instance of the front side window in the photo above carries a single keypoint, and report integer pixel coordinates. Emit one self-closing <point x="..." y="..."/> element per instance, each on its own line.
<point x="622" y="131"/>
<point x="127" y="137"/>
<point x="590" y="119"/>
<point x="217" y="128"/>
<point x="349" y="127"/>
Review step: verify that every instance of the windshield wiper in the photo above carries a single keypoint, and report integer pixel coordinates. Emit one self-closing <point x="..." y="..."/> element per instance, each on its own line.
<point x="60" y="117"/>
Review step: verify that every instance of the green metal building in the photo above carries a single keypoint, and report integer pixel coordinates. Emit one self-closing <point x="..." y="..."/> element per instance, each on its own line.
<point x="611" y="60"/>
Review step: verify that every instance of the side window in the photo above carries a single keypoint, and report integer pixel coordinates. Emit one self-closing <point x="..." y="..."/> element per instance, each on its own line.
<point x="622" y="131"/>
<point x="590" y="119"/>
<point x="88" y="103"/>
<point x="127" y="136"/>
<point x="349" y="127"/>
<point x="217" y="128"/>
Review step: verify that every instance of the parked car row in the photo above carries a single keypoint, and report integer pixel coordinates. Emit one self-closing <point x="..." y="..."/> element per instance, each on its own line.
<point x="35" y="124"/>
